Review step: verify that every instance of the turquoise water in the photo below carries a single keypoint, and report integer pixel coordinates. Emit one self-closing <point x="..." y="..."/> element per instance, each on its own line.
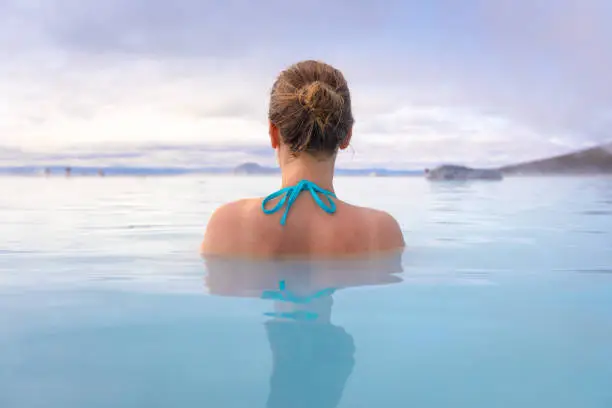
<point x="502" y="299"/>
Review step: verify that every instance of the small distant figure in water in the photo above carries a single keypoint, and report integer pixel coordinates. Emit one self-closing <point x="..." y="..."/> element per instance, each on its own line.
<point x="101" y="173"/>
<point x="47" y="172"/>
<point x="68" y="171"/>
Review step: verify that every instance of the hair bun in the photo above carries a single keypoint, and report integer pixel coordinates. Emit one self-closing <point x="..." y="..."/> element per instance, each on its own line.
<point x="320" y="99"/>
<point x="310" y="104"/>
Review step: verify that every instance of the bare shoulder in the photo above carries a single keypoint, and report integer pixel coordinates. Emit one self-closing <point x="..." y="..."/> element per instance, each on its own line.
<point x="389" y="228"/>
<point x="382" y="227"/>
<point x="233" y="210"/>
<point x="220" y="235"/>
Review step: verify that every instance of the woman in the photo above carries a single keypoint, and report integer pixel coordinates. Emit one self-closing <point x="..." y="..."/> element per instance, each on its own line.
<point x="310" y="119"/>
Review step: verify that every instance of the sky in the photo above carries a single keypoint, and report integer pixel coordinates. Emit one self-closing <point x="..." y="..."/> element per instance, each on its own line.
<point x="477" y="82"/>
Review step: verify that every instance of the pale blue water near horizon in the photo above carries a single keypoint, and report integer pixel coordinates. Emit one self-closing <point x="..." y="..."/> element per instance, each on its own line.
<point x="503" y="298"/>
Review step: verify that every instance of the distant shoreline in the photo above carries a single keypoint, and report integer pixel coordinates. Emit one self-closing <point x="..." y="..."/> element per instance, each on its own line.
<point x="186" y="174"/>
<point x="231" y="175"/>
<point x="249" y="170"/>
<point x="594" y="161"/>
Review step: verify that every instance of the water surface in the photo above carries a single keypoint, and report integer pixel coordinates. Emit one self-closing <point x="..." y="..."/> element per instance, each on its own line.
<point x="503" y="298"/>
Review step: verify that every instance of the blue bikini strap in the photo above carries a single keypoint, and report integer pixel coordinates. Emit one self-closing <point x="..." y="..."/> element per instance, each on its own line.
<point x="290" y="194"/>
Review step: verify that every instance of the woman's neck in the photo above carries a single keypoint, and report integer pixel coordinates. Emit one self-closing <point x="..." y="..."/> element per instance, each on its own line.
<point x="307" y="167"/>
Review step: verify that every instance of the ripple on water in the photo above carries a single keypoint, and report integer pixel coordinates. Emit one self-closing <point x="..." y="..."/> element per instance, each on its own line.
<point x="453" y="222"/>
<point x="446" y="209"/>
<point x="595" y="270"/>
<point x="589" y="232"/>
<point x="447" y="239"/>
<point x="15" y="252"/>
<point x="596" y="212"/>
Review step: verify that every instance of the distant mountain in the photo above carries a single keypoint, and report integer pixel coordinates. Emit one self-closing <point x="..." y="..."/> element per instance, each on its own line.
<point x="254" y="168"/>
<point x="454" y="172"/>
<point x="596" y="160"/>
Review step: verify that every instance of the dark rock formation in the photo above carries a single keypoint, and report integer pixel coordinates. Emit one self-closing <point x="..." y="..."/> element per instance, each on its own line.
<point x="454" y="172"/>
<point x="596" y="160"/>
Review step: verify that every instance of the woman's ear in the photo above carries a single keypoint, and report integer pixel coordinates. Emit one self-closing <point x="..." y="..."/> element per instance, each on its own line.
<point x="274" y="135"/>
<point x="347" y="140"/>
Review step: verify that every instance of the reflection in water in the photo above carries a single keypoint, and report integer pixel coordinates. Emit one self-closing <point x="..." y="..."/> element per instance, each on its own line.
<point x="311" y="364"/>
<point x="312" y="357"/>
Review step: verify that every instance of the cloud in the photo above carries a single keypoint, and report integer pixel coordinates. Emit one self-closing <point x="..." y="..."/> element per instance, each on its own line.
<point x="475" y="81"/>
<point x="191" y="27"/>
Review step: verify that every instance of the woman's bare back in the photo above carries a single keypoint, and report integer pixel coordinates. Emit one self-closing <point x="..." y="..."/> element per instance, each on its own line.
<point x="242" y="229"/>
